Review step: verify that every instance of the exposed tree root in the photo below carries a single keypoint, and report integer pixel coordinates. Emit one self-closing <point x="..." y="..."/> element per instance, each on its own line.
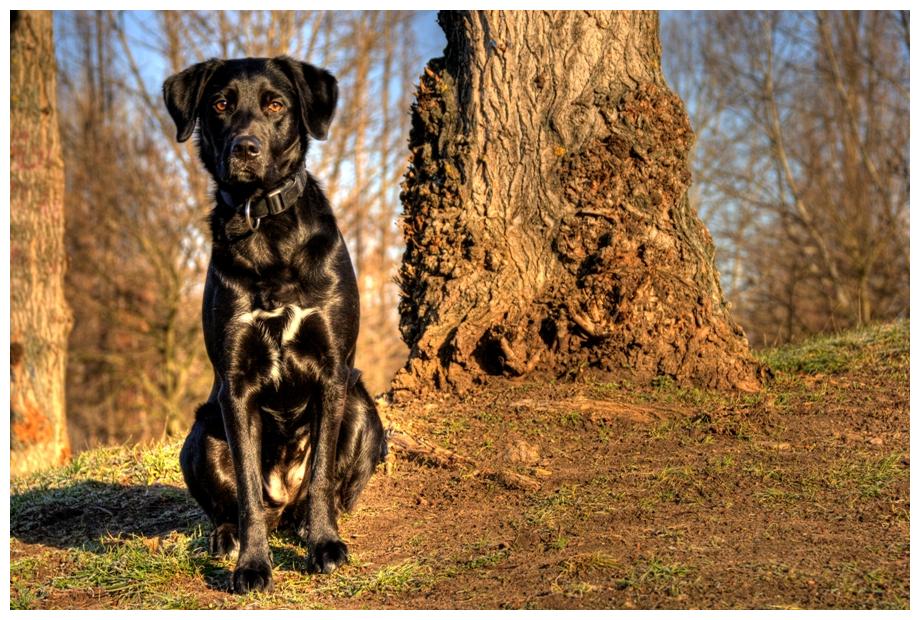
<point x="416" y="450"/>
<point x="603" y="411"/>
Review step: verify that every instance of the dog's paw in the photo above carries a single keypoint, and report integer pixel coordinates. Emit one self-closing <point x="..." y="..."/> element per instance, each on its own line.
<point x="252" y="576"/>
<point x="326" y="556"/>
<point x="224" y="541"/>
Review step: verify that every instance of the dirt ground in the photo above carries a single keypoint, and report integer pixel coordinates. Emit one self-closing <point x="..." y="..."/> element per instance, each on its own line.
<point x="582" y="495"/>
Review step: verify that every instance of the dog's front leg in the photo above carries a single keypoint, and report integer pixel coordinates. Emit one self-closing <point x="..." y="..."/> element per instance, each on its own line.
<point x="243" y="425"/>
<point x="321" y="532"/>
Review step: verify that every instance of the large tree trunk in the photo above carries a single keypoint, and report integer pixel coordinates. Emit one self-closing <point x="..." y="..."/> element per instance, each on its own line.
<point x="39" y="317"/>
<point x="546" y="217"/>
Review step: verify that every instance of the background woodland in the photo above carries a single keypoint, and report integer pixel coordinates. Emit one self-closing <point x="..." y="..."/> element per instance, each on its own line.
<point x="800" y="172"/>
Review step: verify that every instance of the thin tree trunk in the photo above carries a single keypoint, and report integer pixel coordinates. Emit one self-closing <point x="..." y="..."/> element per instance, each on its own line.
<point x="40" y="320"/>
<point x="546" y="217"/>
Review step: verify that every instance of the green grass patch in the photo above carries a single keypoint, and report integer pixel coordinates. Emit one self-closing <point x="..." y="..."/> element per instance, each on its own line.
<point x="874" y="588"/>
<point x="657" y="575"/>
<point x="572" y="419"/>
<point x="548" y="510"/>
<point x="136" y="570"/>
<point x="678" y="485"/>
<point x="26" y="591"/>
<point x="840" y="352"/>
<point x="485" y="560"/>
<point x="450" y="429"/>
<point x="580" y="570"/>
<point x="139" y="464"/>
<point x="869" y="478"/>
<point x="560" y="515"/>
<point x="667" y="390"/>
<point x="774" y="497"/>
<point x="399" y="578"/>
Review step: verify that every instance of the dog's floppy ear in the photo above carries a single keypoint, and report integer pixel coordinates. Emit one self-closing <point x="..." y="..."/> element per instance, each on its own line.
<point x="183" y="92"/>
<point x="318" y="92"/>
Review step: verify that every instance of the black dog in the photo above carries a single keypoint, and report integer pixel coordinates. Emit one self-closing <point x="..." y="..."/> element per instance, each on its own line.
<point x="289" y="431"/>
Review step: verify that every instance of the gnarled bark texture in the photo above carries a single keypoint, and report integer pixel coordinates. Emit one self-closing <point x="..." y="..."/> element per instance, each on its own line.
<point x="546" y="217"/>
<point x="39" y="317"/>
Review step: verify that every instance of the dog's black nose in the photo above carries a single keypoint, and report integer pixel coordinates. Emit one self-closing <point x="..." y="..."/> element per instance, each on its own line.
<point x="247" y="147"/>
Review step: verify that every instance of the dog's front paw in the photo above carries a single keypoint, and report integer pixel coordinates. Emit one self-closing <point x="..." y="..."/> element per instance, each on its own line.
<point x="252" y="576"/>
<point x="223" y="540"/>
<point x="326" y="556"/>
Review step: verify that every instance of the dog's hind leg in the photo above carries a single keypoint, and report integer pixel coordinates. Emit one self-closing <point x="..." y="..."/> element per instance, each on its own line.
<point x="208" y="470"/>
<point x="361" y="447"/>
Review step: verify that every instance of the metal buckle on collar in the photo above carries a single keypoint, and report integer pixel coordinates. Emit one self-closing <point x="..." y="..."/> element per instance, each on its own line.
<point x="249" y="219"/>
<point x="275" y="201"/>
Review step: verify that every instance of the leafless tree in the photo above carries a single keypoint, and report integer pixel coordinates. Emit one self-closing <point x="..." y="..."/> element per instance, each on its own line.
<point x="802" y="161"/>
<point x="547" y="222"/>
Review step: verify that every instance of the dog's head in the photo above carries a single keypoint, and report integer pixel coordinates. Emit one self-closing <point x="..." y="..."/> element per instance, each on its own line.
<point x="255" y="116"/>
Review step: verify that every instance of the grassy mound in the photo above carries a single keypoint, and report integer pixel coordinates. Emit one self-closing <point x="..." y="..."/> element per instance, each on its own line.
<point x="645" y="497"/>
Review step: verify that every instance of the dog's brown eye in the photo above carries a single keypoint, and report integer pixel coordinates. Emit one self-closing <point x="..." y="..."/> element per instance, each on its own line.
<point x="220" y="105"/>
<point x="275" y="106"/>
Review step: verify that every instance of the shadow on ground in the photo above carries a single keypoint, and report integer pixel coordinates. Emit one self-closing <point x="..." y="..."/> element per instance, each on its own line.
<point x="81" y="515"/>
<point x="74" y="515"/>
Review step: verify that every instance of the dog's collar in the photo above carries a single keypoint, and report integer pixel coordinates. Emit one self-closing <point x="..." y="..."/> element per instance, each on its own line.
<point x="274" y="202"/>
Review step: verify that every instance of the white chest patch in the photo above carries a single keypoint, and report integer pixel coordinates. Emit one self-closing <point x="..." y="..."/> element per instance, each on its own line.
<point x="290" y="330"/>
<point x="276" y="328"/>
<point x="294" y="316"/>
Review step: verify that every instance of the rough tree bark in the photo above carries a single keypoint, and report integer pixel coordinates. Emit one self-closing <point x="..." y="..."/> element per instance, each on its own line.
<point x="39" y="317"/>
<point x="546" y="217"/>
